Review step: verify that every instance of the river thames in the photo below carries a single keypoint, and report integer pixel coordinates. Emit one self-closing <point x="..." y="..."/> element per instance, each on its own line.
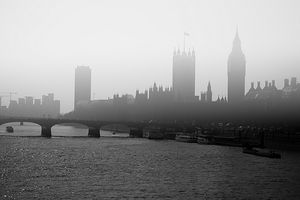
<point x="118" y="167"/>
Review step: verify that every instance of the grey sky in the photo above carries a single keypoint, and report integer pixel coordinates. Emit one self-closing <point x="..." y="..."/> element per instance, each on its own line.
<point x="129" y="44"/>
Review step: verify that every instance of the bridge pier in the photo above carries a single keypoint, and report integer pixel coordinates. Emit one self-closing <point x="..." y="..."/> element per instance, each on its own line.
<point x="46" y="131"/>
<point x="94" y="132"/>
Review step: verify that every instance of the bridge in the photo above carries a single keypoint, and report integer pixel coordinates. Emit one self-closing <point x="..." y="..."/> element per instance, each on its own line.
<point x="93" y="125"/>
<point x="47" y="123"/>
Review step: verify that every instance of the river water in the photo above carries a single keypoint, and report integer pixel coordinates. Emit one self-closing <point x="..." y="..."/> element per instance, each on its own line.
<point x="118" y="167"/>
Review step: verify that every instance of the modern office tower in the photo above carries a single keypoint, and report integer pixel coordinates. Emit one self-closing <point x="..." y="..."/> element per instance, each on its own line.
<point x="29" y="107"/>
<point x="294" y="82"/>
<point x="29" y="100"/>
<point x="82" y="86"/>
<point x="37" y="102"/>
<point x="51" y="97"/>
<point x="184" y="76"/>
<point x="21" y="101"/>
<point x="45" y="100"/>
<point x="236" y="72"/>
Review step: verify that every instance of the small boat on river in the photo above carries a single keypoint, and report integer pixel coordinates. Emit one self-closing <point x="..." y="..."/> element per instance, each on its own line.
<point x="9" y="129"/>
<point x="269" y="154"/>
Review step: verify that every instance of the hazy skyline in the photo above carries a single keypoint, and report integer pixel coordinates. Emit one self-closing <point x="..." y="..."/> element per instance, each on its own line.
<point x="129" y="44"/>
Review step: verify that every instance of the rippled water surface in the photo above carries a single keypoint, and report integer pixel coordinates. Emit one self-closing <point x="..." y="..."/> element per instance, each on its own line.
<point x="115" y="167"/>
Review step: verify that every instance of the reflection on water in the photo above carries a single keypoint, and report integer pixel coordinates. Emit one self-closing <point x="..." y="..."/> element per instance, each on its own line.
<point x="31" y="129"/>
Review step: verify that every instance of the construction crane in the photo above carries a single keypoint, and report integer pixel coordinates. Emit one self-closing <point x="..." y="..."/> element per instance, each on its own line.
<point x="10" y="94"/>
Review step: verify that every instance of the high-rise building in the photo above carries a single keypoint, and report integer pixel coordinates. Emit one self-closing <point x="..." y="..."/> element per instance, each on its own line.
<point x="29" y="100"/>
<point x="236" y="72"/>
<point x="82" y="86"/>
<point x="184" y="75"/>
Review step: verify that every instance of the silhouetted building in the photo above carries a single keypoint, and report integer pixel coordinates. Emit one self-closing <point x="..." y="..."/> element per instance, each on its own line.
<point x="37" y="102"/>
<point x="270" y="93"/>
<point x="206" y="96"/>
<point x="203" y="97"/>
<point x="29" y="100"/>
<point x="236" y="72"/>
<point x="29" y="107"/>
<point x="184" y="76"/>
<point x="82" y="86"/>
<point x="141" y="98"/>
<point x="21" y="101"/>
<point x="209" y="93"/>
<point x="160" y="95"/>
<point x="221" y="100"/>
<point x="123" y="100"/>
<point x="291" y="91"/>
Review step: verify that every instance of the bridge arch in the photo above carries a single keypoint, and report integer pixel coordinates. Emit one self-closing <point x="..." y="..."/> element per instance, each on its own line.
<point x="93" y="125"/>
<point x="115" y="129"/>
<point x="69" y="129"/>
<point x="7" y="121"/>
<point x="27" y="128"/>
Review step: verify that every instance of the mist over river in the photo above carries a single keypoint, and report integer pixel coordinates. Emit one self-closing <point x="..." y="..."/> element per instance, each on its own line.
<point x="116" y="167"/>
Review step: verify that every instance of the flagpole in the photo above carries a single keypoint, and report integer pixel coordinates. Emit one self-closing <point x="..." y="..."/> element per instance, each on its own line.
<point x="183" y="42"/>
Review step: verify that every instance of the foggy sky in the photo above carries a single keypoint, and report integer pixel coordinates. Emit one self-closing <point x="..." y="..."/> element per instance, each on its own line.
<point x="129" y="43"/>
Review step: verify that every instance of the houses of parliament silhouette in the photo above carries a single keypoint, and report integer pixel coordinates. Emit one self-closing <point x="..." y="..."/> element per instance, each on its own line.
<point x="179" y="101"/>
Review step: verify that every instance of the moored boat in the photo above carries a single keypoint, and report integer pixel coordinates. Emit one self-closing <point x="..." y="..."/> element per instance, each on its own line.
<point x="227" y="141"/>
<point x="9" y="129"/>
<point x="186" y="138"/>
<point x="153" y="133"/>
<point x="218" y="140"/>
<point x="269" y="154"/>
<point x="204" y="139"/>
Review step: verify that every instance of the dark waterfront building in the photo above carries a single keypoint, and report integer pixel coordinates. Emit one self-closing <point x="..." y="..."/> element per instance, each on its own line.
<point x="184" y="76"/>
<point x="236" y="72"/>
<point x="82" y="86"/>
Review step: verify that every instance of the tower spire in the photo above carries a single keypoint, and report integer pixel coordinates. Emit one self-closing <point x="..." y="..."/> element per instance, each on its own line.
<point x="236" y="42"/>
<point x="209" y="93"/>
<point x="236" y="71"/>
